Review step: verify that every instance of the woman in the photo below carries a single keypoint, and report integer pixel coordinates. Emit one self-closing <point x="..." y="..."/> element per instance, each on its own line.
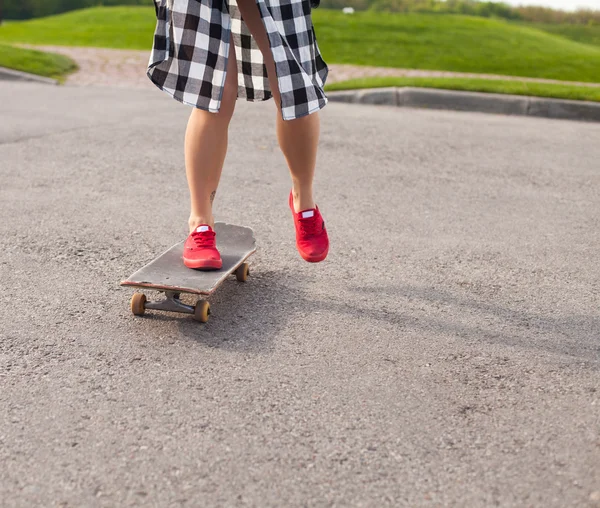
<point x="206" y="54"/>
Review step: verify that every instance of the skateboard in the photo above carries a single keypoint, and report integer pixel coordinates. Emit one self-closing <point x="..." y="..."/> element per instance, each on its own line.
<point x="170" y="276"/>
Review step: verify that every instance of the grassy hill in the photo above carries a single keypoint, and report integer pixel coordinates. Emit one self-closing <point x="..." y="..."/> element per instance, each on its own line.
<point x="454" y="43"/>
<point x="419" y="41"/>
<point x="578" y="33"/>
<point x="35" y="62"/>
<point x="107" y="27"/>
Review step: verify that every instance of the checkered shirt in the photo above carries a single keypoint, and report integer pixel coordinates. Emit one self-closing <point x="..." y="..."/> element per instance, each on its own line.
<point x="191" y="48"/>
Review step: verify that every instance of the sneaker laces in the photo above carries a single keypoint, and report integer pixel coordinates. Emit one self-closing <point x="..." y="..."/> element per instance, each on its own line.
<point x="309" y="226"/>
<point x="204" y="239"/>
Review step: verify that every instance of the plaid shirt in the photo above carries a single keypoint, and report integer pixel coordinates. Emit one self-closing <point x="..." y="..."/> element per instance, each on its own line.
<point x="191" y="48"/>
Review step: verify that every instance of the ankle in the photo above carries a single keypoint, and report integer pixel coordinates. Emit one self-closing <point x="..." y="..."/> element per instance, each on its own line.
<point x="303" y="198"/>
<point x="197" y="220"/>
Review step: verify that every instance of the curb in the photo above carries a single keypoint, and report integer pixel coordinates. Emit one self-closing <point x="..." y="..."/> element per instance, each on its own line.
<point x="472" y="101"/>
<point x="12" y="75"/>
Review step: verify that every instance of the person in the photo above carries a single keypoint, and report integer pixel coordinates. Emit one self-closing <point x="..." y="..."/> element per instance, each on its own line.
<point x="206" y="54"/>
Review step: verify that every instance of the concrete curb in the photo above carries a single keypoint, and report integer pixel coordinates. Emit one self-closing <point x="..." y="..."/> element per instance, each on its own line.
<point x="472" y="101"/>
<point x="12" y="75"/>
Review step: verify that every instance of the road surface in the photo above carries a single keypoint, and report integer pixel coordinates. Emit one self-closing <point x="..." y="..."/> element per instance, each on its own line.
<point x="446" y="354"/>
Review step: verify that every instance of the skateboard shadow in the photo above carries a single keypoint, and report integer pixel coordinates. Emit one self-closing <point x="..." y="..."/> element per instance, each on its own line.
<point x="245" y="316"/>
<point x="251" y="316"/>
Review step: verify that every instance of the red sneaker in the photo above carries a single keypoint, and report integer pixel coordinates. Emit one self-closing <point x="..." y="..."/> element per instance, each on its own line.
<point x="311" y="236"/>
<point x="200" y="249"/>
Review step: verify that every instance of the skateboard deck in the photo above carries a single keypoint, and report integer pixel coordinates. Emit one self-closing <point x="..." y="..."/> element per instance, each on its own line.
<point x="169" y="275"/>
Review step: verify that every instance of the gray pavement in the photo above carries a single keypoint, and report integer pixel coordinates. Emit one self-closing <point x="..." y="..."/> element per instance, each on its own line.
<point x="446" y="354"/>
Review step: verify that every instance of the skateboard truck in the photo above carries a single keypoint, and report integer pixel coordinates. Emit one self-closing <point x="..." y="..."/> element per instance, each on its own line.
<point x="172" y="302"/>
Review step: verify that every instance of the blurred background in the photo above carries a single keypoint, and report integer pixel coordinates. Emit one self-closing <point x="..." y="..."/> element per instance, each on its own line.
<point x="547" y="48"/>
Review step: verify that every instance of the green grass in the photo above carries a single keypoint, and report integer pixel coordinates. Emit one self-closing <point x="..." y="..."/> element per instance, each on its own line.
<point x="417" y="41"/>
<point x="105" y="27"/>
<point x="581" y="93"/>
<point x="579" y="33"/>
<point x="454" y="43"/>
<point x="36" y="62"/>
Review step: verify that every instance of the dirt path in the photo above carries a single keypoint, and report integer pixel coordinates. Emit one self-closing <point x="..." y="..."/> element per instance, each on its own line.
<point x="116" y="67"/>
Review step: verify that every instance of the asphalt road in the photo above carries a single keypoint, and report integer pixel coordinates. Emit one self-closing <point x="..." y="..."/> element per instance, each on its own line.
<point x="446" y="354"/>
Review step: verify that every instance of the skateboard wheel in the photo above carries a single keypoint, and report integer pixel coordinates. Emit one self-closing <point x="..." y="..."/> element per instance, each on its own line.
<point x="202" y="311"/>
<point x="138" y="304"/>
<point x="242" y="272"/>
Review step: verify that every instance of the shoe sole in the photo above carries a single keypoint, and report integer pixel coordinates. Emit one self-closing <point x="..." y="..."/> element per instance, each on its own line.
<point x="203" y="264"/>
<point x="314" y="259"/>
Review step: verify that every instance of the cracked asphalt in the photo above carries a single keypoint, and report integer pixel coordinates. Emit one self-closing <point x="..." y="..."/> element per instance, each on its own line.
<point x="446" y="354"/>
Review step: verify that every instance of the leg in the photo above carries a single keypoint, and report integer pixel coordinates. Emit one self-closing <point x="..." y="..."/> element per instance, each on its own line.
<point x="298" y="139"/>
<point x="206" y="147"/>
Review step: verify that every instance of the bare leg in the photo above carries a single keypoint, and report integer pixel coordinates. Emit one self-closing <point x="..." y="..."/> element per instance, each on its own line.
<point x="298" y="139"/>
<point x="206" y="147"/>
